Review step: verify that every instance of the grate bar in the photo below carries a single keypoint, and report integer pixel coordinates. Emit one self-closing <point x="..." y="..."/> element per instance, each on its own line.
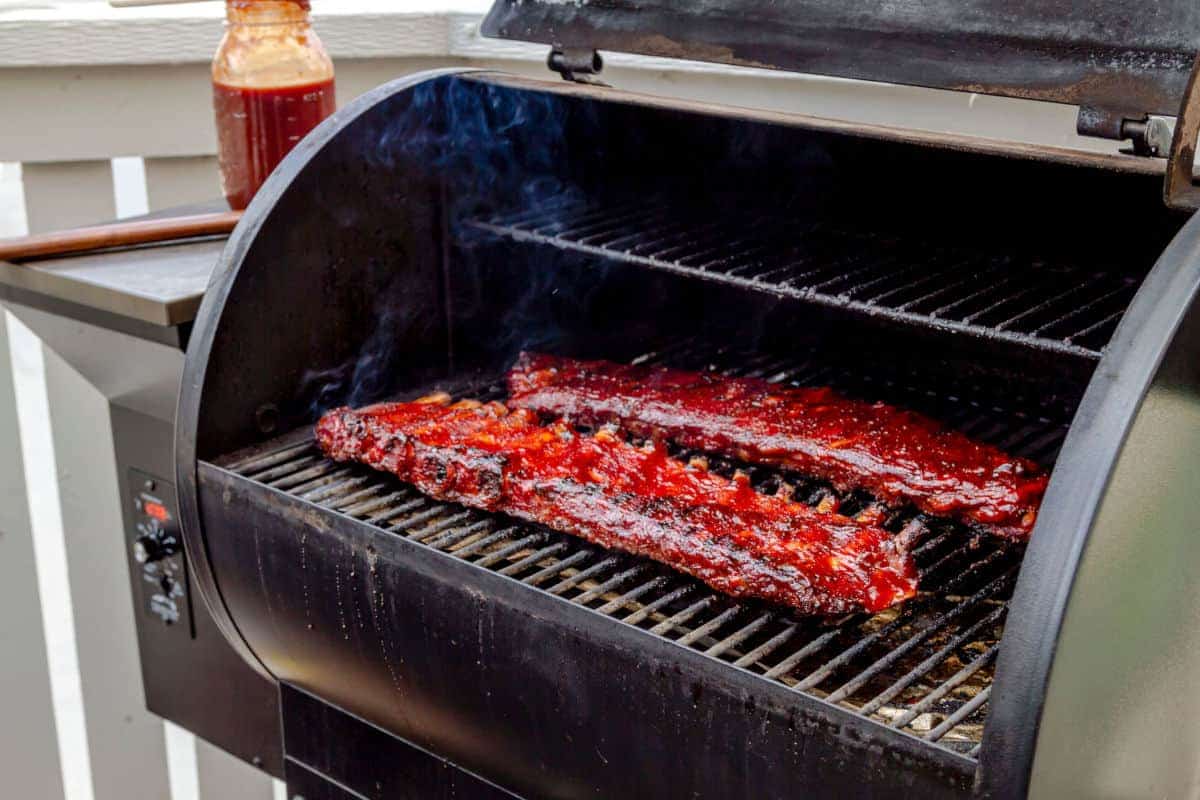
<point x="303" y="476"/>
<point x="321" y="494"/>
<point x="682" y="237"/>
<point x="1042" y="306"/>
<point x="953" y="557"/>
<point x="331" y="480"/>
<point x="816" y="645"/>
<point x="487" y="537"/>
<point x="956" y="680"/>
<point x="922" y="669"/>
<point x="255" y="464"/>
<point x="715" y="244"/>
<point x="1031" y="288"/>
<point x="966" y="300"/>
<point x="286" y="468"/>
<point x="366" y="499"/>
<point x="908" y="286"/>
<point x="683" y="616"/>
<point x="643" y="239"/>
<point x="710" y="626"/>
<point x="739" y="636"/>
<point x="608" y="585"/>
<point x="389" y="514"/>
<point x="556" y="568"/>
<point x="1112" y="318"/>
<point x="845" y="278"/>
<point x="852" y="685"/>
<point x="586" y="220"/>
<point x="368" y="488"/>
<point x="937" y="541"/>
<point x="965" y="710"/>
<point x="582" y="575"/>
<point x="651" y="608"/>
<point x="825" y="670"/>
<point x="440" y="522"/>
<point x="734" y="251"/>
<point x="849" y="270"/>
<point x="702" y="238"/>
<point x="603" y="225"/>
<point x="632" y="594"/>
<point x="508" y="549"/>
<point x="1087" y="307"/>
<point x="533" y="558"/>
<point x="447" y="525"/>
<point x="983" y="273"/>
<point x="767" y="647"/>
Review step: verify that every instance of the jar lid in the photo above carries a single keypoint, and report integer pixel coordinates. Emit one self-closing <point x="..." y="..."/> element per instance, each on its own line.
<point x="239" y="4"/>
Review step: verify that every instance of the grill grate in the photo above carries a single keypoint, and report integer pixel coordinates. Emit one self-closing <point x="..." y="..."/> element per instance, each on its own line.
<point x="924" y="668"/>
<point x="1056" y="307"/>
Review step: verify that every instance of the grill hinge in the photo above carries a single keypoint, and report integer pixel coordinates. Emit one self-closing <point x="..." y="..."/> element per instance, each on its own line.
<point x="1155" y="136"/>
<point x="576" y="64"/>
<point x="1149" y="136"/>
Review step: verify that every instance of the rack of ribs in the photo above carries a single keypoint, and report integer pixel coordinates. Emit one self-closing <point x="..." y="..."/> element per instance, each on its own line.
<point x="897" y="455"/>
<point x="631" y="498"/>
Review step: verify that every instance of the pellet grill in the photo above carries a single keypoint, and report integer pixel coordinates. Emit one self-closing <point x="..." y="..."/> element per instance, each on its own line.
<point x="1040" y="298"/>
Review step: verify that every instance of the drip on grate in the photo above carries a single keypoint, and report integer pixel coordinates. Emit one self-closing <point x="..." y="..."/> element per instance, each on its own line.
<point x="924" y="668"/>
<point x="1060" y="308"/>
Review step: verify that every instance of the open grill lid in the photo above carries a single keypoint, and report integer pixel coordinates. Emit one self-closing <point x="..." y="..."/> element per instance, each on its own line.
<point x="1103" y="53"/>
<point x="1122" y="66"/>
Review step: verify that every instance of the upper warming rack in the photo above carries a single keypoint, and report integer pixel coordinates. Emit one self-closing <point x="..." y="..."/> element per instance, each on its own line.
<point x="924" y="668"/>
<point x="1028" y="302"/>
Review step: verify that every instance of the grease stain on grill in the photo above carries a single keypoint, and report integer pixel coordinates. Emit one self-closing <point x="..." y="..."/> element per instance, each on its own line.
<point x="924" y="668"/>
<point x="306" y="599"/>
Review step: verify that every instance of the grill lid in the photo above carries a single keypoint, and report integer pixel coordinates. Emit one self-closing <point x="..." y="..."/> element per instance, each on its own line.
<point x="1104" y="54"/>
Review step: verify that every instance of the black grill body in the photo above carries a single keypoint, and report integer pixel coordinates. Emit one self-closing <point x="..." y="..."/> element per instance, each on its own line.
<point x="426" y="234"/>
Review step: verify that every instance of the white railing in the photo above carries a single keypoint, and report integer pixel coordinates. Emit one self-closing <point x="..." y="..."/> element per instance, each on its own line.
<point x="107" y="112"/>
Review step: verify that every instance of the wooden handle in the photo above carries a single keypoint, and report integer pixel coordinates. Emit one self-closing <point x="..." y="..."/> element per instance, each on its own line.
<point x="117" y="234"/>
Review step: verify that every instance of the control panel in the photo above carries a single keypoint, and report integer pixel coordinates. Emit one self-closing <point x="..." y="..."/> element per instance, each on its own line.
<point x="158" y="551"/>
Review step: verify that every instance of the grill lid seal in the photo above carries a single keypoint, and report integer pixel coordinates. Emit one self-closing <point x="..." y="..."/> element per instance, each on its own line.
<point x="1095" y="54"/>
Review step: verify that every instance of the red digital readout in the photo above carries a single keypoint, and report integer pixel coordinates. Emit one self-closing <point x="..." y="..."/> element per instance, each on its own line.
<point x="156" y="510"/>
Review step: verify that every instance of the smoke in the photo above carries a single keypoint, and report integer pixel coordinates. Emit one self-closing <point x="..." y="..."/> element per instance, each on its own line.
<point x="488" y="148"/>
<point x="504" y="148"/>
<point x="362" y="380"/>
<point x="491" y="149"/>
<point x="493" y="146"/>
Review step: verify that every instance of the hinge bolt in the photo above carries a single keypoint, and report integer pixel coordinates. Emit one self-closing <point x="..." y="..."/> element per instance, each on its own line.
<point x="575" y="64"/>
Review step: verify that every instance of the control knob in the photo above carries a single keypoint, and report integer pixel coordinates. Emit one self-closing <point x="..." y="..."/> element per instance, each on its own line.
<point x="153" y="546"/>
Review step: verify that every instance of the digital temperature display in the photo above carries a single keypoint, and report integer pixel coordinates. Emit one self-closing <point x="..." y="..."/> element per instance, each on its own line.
<point x="156" y="511"/>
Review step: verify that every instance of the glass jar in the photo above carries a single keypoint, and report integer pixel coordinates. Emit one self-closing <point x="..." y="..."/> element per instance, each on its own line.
<point x="272" y="84"/>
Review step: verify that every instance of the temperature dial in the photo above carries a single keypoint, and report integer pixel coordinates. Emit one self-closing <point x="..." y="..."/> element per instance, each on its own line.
<point x="153" y="543"/>
<point x="148" y="549"/>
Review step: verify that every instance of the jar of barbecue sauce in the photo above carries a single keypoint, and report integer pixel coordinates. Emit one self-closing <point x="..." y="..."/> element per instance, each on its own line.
<point x="272" y="84"/>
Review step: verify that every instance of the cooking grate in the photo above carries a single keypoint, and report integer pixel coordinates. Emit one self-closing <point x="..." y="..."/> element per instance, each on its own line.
<point x="1055" y="307"/>
<point x="925" y="668"/>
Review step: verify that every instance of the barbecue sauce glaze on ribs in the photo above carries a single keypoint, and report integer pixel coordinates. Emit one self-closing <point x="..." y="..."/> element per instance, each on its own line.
<point x="635" y="499"/>
<point x="895" y="454"/>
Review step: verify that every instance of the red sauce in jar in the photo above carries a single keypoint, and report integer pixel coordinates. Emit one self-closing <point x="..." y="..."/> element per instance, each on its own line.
<point x="256" y="128"/>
